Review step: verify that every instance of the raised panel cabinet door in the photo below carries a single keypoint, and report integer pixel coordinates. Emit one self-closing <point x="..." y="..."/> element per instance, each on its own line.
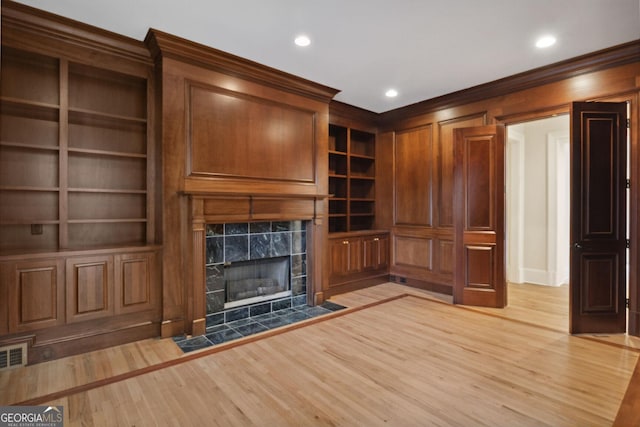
<point x="346" y="258"/>
<point x="136" y="286"/>
<point x="35" y="294"/>
<point x="339" y="252"/>
<point x="375" y="252"/>
<point x="90" y="288"/>
<point x="598" y="217"/>
<point x="479" y="277"/>
<point x="370" y="253"/>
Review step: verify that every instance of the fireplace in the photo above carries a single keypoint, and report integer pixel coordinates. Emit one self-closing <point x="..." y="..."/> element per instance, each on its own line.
<point x="249" y="282"/>
<point x="253" y="268"/>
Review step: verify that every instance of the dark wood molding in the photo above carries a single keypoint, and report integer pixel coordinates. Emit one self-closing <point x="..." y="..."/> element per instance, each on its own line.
<point x="422" y="284"/>
<point x="607" y="58"/>
<point x="341" y="113"/>
<point x="355" y="285"/>
<point x="30" y="28"/>
<point x="256" y="195"/>
<point x="45" y="254"/>
<point x="164" y="45"/>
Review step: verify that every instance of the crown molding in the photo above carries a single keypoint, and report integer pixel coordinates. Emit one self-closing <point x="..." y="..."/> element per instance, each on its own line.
<point x="33" y="29"/>
<point x="341" y="113"/>
<point x="164" y="45"/>
<point x="607" y="58"/>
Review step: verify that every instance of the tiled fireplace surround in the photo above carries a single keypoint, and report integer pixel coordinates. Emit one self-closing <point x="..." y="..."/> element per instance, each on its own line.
<point x="244" y="241"/>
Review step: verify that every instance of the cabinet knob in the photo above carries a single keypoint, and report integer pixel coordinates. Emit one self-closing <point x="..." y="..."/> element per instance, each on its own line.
<point x="375" y="239"/>
<point x="345" y="242"/>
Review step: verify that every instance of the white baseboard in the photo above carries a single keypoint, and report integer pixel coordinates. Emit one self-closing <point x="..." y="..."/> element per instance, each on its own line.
<point x="543" y="277"/>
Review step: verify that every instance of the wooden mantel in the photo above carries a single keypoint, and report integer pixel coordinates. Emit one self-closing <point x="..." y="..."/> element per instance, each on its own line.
<point x="239" y="142"/>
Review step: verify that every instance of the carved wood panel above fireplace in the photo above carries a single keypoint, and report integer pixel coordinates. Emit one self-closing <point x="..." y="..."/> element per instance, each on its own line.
<point x="235" y="135"/>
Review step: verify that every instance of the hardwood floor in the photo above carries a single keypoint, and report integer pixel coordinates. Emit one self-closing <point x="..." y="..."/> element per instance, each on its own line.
<point x="31" y="382"/>
<point x="413" y="360"/>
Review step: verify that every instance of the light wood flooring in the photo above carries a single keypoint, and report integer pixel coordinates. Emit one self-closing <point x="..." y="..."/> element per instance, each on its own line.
<point x="412" y="360"/>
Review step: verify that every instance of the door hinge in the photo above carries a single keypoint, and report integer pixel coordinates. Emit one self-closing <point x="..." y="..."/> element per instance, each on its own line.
<point x="628" y="123"/>
<point x="627" y="243"/>
<point x="626" y="302"/>
<point x="628" y="183"/>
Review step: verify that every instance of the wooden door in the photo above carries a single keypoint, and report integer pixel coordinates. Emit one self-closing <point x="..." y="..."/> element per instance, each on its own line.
<point x="598" y="217"/>
<point x="479" y="277"/>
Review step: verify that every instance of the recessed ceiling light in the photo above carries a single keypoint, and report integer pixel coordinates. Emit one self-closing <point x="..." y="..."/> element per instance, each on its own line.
<point x="302" y="40"/>
<point x="545" y="41"/>
<point x="391" y="93"/>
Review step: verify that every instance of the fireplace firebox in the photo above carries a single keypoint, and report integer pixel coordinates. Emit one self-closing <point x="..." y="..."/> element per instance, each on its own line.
<point x="254" y="268"/>
<point x="249" y="282"/>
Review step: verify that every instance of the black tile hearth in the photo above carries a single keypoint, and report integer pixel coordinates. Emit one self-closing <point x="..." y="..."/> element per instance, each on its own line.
<point x="224" y="332"/>
<point x="223" y="336"/>
<point x="191" y="344"/>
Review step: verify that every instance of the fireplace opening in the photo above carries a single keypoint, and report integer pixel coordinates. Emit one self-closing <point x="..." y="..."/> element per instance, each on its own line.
<point x="248" y="282"/>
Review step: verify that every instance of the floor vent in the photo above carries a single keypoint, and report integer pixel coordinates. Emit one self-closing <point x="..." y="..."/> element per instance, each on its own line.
<point x="13" y="356"/>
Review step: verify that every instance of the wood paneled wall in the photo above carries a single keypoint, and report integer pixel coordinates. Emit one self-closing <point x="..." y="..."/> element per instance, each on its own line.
<point x="419" y="140"/>
<point x="422" y="239"/>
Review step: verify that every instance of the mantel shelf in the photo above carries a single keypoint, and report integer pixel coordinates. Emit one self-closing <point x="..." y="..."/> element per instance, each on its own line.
<point x="255" y="195"/>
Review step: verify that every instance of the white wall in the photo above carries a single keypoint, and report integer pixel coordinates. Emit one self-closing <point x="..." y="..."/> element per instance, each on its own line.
<point x="537" y="193"/>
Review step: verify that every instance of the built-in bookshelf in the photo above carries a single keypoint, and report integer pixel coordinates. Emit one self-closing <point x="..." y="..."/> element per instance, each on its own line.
<point x="351" y="179"/>
<point x="73" y="155"/>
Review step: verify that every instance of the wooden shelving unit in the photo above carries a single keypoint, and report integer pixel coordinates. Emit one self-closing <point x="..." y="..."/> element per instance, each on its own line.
<point x="351" y="179"/>
<point x="79" y="259"/>
<point x="73" y="155"/>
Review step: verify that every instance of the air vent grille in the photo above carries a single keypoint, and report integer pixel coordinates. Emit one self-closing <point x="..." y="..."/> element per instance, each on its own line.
<point x="13" y="356"/>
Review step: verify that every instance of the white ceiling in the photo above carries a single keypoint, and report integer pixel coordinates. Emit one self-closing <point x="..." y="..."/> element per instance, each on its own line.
<point x="422" y="48"/>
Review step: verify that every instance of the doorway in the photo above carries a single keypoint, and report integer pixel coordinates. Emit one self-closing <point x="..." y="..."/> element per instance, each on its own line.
<point x="599" y="215"/>
<point x="538" y="217"/>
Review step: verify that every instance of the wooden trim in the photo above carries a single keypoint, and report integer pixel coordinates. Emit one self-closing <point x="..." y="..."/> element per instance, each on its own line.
<point x="350" y="116"/>
<point x="82" y="252"/>
<point x="354" y="285"/>
<point x="347" y="234"/>
<point x="445" y="289"/>
<point x="196" y="301"/>
<point x="153" y="171"/>
<point x="83" y="343"/>
<point x="607" y="58"/>
<point x="164" y="45"/>
<point x="235" y="194"/>
<point x="26" y="26"/>
<point x="63" y="155"/>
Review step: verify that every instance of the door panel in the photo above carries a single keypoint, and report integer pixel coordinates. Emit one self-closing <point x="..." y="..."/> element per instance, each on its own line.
<point x="598" y="217"/>
<point x="479" y="216"/>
